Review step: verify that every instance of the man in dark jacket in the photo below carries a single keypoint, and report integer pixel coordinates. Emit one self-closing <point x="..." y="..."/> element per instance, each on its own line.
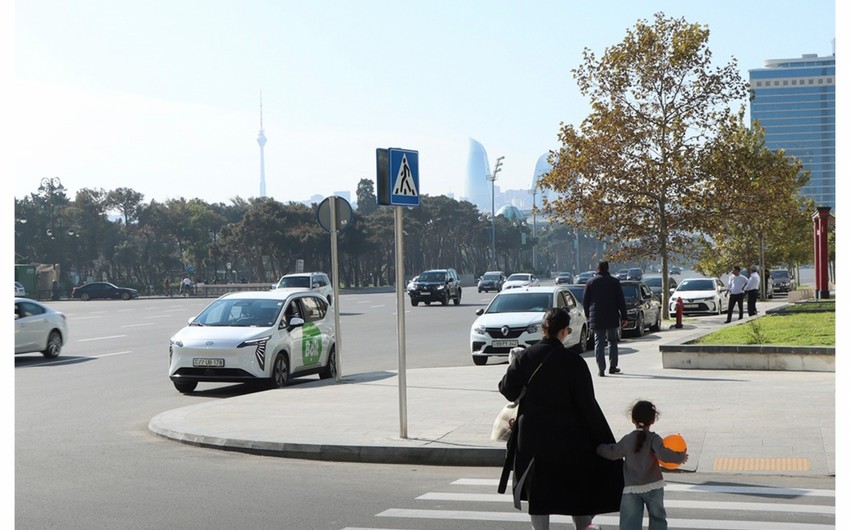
<point x="605" y="309"/>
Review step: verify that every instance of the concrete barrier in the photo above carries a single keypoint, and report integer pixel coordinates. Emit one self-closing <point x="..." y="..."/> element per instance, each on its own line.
<point x="800" y="294"/>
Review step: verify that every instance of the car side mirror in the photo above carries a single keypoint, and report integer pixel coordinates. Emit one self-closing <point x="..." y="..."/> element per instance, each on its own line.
<point x="479" y="311"/>
<point x="295" y="322"/>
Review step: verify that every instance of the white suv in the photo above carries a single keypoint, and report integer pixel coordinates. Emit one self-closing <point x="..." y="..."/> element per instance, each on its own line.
<point x="265" y="336"/>
<point x="318" y="282"/>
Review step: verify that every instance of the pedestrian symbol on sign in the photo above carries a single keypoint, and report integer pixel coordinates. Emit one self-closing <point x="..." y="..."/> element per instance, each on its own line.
<point x="404" y="183"/>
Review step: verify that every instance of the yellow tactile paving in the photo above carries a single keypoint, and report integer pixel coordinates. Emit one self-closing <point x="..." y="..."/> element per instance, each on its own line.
<point x="762" y="464"/>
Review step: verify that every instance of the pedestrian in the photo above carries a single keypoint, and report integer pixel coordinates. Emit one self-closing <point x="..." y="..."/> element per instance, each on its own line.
<point x="644" y="484"/>
<point x="605" y="309"/>
<point x="559" y="424"/>
<point x="166" y="285"/>
<point x="736" y="285"/>
<point x="752" y="290"/>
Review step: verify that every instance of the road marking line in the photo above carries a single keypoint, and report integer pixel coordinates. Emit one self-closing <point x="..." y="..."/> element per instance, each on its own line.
<point x="75" y="359"/>
<point x="102" y="338"/>
<point x="137" y="325"/>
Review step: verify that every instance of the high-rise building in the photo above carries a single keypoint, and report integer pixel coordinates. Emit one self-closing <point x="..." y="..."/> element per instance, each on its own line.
<point x="477" y="187"/>
<point x="794" y="101"/>
<point x="261" y="139"/>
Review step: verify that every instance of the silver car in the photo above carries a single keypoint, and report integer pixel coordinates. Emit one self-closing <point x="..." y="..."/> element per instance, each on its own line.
<point x="39" y="328"/>
<point x="315" y="281"/>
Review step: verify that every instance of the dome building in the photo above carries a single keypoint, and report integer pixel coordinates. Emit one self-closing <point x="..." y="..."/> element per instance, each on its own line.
<point x="511" y="213"/>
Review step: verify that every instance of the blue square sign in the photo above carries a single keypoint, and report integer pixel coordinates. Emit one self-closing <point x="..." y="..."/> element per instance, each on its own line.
<point x="403" y="177"/>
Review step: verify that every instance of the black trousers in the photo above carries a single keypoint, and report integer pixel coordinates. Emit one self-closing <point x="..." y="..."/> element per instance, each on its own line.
<point x="752" y="296"/>
<point x="735" y="299"/>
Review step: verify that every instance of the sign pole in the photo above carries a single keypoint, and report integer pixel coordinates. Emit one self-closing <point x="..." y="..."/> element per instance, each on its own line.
<point x="335" y="276"/>
<point x="399" y="290"/>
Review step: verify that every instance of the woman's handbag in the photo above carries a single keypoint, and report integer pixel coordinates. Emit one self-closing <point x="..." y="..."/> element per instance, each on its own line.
<point x="505" y="422"/>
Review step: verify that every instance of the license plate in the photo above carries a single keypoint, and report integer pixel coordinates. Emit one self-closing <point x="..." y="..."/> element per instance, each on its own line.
<point x="504" y="343"/>
<point x="691" y="306"/>
<point x="208" y="362"/>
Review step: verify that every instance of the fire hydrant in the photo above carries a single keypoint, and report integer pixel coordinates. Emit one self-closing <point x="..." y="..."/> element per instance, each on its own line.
<point x="680" y="308"/>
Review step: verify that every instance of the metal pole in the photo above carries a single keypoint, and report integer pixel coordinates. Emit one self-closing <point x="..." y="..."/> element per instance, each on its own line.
<point x="335" y="282"/>
<point x="399" y="294"/>
<point x="493" y="222"/>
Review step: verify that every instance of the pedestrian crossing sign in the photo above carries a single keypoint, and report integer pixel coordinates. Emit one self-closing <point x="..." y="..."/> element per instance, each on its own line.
<point x="403" y="177"/>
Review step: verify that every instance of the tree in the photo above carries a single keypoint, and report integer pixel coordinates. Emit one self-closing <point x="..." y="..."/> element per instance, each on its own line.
<point x="367" y="201"/>
<point x="126" y="201"/>
<point x="631" y="173"/>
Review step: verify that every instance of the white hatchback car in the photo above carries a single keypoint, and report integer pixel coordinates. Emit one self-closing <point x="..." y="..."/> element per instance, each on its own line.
<point x="315" y="281"/>
<point x="39" y="328"/>
<point x="267" y="336"/>
<point x="19" y="289"/>
<point x="521" y="279"/>
<point x="514" y="318"/>
<point x="700" y="295"/>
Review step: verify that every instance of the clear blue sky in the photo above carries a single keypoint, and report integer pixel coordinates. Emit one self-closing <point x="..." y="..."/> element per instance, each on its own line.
<point x="163" y="96"/>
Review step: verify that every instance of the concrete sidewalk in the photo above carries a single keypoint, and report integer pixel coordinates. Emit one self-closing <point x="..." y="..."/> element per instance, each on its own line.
<point x="760" y="422"/>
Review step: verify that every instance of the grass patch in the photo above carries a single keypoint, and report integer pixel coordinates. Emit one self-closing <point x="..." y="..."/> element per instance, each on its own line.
<point x="803" y="327"/>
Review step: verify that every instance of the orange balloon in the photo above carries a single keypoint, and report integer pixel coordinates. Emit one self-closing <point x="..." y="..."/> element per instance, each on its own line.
<point x="674" y="442"/>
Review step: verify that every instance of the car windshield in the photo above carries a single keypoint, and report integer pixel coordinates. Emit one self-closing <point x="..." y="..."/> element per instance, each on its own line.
<point x="490" y="276"/>
<point x="521" y="303"/>
<point x="519" y="277"/>
<point x="295" y="281"/>
<point x="238" y="312"/>
<point x="697" y="285"/>
<point x="652" y="282"/>
<point x="432" y="277"/>
<point x="630" y="292"/>
<point x="780" y="275"/>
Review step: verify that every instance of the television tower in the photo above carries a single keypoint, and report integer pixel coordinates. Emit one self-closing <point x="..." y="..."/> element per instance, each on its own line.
<point x="261" y="139"/>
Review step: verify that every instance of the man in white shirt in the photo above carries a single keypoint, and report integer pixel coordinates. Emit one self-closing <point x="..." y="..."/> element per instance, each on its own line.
<point x="736" y="286"/>
<point x="752" y="290"/>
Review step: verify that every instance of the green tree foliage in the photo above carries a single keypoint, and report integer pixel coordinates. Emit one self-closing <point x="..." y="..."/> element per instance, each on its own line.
<point x="367" y="201"/>
<point x="631" y="173"/>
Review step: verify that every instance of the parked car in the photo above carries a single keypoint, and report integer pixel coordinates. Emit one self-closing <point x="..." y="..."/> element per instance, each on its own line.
<point x="584" y="276"/>
<point x="675" y="270"/>
<point x="701" y="295"/>
<point x="39" y="328"/>
<point x="491" y="281"/>
<point x="521" y="279"/>
<point x="623" y="274"/>
<point x="654" y="283"/>
<point x="564" y="278"/>
<point x="103" y="290"/>
<point x="578" y="292"/>
<point x="766" y="279"/>
<point x="411" y="282"/>
<point x="317" y="282"/>
<point x="436" y="285"/>
<point x="514" y="318"/>
<point x="19" y="289"/>
<point x="783" y="281"/>
<point x="258" y="336"/>
<point x="643" y="309"/>
<point x="635" y="274"/>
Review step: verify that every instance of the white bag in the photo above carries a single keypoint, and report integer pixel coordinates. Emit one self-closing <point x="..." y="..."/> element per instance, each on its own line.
<point x="504" y="422"/>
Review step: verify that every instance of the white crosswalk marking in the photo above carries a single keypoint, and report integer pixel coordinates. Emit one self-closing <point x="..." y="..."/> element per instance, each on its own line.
<point x="778" y="509"/>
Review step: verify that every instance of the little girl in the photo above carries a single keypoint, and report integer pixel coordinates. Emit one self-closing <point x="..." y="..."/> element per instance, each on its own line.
<point x="644" y="484"/>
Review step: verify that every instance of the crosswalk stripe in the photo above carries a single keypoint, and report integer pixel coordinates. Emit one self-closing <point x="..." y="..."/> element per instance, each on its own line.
<point x="519" y="517"/>
<point x="753" y="490"/>
<point x="669" y="503"/>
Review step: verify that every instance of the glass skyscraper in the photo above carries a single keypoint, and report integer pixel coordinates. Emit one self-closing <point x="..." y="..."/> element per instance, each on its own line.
<point x="794" y="100"/>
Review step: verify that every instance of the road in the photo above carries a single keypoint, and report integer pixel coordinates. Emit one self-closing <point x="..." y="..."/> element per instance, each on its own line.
<point x="85" y="459"/>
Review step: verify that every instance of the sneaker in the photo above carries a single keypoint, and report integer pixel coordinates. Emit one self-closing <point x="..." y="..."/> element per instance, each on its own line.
<point x="614" y="370"/>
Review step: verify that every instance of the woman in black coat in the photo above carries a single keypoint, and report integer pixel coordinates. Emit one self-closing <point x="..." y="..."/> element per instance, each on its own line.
<point x="552" y="449"/>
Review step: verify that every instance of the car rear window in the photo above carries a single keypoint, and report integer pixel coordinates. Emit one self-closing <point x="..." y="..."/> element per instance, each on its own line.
<point x="295" y="281"/>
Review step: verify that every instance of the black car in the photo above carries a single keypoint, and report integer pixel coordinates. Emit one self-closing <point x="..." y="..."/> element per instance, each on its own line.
<point x="564" y="278"/>
<point x="436" y="285"/>
<point x="643" y="308"/>
<point x="654" y="283"/>
<point x="583" y="277"/>
<point x="94" y="290"/>
<point x="635" y="274"/>
<point x="491" y="281"/>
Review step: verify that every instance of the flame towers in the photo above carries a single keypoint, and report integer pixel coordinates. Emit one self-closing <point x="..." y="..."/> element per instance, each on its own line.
<point x="261" y="139"/>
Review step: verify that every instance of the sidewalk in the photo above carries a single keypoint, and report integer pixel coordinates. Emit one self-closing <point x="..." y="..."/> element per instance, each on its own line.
<point x="733" y="421"/>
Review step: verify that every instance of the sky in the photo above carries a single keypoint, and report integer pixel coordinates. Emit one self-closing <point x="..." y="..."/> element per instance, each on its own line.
<point x="163" y="96"/>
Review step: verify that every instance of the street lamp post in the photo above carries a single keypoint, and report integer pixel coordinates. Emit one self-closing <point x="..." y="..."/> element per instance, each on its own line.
<point x="534" y="227"/>
<point x="492" y="179"/>
<point x="49" y="186"/>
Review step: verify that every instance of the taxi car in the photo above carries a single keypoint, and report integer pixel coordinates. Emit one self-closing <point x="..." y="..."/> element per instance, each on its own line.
<point x="258" y="336"/>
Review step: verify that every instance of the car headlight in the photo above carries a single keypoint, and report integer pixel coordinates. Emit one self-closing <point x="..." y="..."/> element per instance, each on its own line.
<point x="532" y="328"/>
<point x="255" y="342"/>
<point x="632" y="312"/>
<point x="178" y="343"/>
<point x="441" y="287"/>
<point x="480" y="329"/>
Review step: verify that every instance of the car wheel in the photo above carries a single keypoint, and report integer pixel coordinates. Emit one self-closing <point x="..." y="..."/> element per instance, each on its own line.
<point x="125" y="296"/>
<point x="413" y="302"/>
<point x="185" y="386"/>
<point x="581" y="347"/>
<point x="446" y="298"/>
<point x="639" y="325"/>
<point x="85" y="297"/>
<point x="459" y="294"/>
<point x="428" y="302"/>
<point x="54" y="345"/>
<point x="479" y="360"/>
<point x="329" y="370"/>
<point x="657" y="325"/>
<point x="280" y="371"/>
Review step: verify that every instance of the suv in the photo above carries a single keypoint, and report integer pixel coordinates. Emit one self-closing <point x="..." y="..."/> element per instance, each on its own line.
<point x="317" y="282"/>
<point x="436" y="285"/>
<point x="783" y="281"/>
<point x="635" y="274"/>
<point x="491" y="281"/>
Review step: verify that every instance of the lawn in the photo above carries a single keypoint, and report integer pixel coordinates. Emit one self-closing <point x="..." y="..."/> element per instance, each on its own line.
<point x="804" y="324"/>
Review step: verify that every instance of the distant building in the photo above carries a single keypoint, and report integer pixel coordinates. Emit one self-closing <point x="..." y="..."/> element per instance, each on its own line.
<point x="477" y="187"/>
<point x="794" y="101"/>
